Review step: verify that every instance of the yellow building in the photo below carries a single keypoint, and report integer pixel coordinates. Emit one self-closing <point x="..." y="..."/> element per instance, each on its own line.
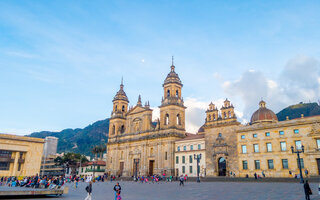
<point x="185" y="149"/>
<point x="20" y="156"/>
<point x="265" y="145"/>
<point x="138" y="146"/>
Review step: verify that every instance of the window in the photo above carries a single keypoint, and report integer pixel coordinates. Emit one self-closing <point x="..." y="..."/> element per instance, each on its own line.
<point x="122" y="129"/>
<point x="229" y="114"/>
<point x="184" y="148"/>
<point x="191" y="147"/>
<point x="167" y="119"/>
<point x="318" y="143"/>
<point x="166" y="155"/>
<point x="244" y="164"/>
<point x="177" y="159"/>
<point x="256" y="147"/>
<point x="209" y="117"/>
<point x="183" y="159"/>
<point x="214" y="117"/>
<point x="296" y="131"/>
<point x="285" y="164"/>
<point x="178" y="148"/>
<point x="190" y="169"/>
<point x="122" y="108"/>
<point x="298" y="144"/>
<point x="116" y="108"/>
<point x="269" y="147"/>
<point x="301" y="163"/>
<point x="254" y="135"/>
<point x="244" y="148"/>
<point x="243" y="136"/>
<point x="281" y="132"/>
<point x="177" y="93"/>
<point x="6" y="154"/>
<point x="199" y="146"/>
<point x="267" y="134"/>
<point x="270" y="164"/>
<point x="257" y="164"/>
<point x="168" y="93"/>
<point x="113" y="130"/>
<point x="178" y="119"/>
<point x="190" y="159"/>
<point x="183" y="169"/>
<point x="283" y="146"/>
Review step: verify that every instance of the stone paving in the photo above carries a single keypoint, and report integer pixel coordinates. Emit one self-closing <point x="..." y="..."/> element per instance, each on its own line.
<point x="193" y="191"/>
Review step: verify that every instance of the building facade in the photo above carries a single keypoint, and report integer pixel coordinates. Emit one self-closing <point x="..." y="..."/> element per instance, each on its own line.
<point x="138" y="146"/>
<point x="185" y="151"/>
<point x="50" y="146"/>
<point x="20" y="156"/>
<point x="50" y="168"/>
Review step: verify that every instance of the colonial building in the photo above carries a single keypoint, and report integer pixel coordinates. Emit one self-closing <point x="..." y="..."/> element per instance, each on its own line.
<point x="138" y="146"/>
<point x="185" y="150"/>
<point x="20" y="156"/>
<point x="96" y="168"/>
<point x="264" y="145"/>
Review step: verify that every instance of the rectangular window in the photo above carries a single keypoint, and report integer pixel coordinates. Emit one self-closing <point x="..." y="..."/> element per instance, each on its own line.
<point x="296" y="131"/>
<point x="270" y="164"/>
<point x="177" y="159"/>
<point x="243" y="136"/>
<point x="301" y="162"/>
<point x="269" y="147"/>
<point x="183" y="159"/>
<point x="244" y="148"/>
<point x="283" y="146"/>
<point x="285" y="164"/>
<point x="254" y="135"/>
<point x="166" y="155"/>
<point x="281" y="132"/>
<point x="267" y="134"/>
<point x="183" y="169"/>
<point x="318" y="143"/>
<point x="245" y="164"/>
<point x="5" y="154"/>
<point x="184" y="148"/>
<point x="256" y="147"/>
<point x="199" y="146"/>
<point x="191" y="147"/>
<point x="190" y="159"/>
<point x="298" y="144"/>
<point x="4" y="166"/>
<point x="257" y="164"/>
<point x="190" y="169"/>
<point x="178" y="148"/>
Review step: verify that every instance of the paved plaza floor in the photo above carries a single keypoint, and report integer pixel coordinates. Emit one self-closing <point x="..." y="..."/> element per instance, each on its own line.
<point x="193" y="191"/>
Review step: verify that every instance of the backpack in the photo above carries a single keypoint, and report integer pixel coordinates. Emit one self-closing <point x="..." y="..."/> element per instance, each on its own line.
<point x="87" y="188"/>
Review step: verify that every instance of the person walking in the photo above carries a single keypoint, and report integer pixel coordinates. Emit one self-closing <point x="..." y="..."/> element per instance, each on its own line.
<point x="181" y="180"/>
<point x="307" y="190"/>
<point x="306" y="172"/>
<point x="255" y="175"/>
<point x="89" y="191"/>
<point x="117" y="190"/>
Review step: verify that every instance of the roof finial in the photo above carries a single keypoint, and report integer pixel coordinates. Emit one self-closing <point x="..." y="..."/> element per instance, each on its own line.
<point x="139" y="100"/>
<point x="121" y="85"/>
<point x="172" y="66"/>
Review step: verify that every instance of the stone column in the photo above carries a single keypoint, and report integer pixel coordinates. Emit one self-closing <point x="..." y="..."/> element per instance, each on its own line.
<point x="15" y="165"/>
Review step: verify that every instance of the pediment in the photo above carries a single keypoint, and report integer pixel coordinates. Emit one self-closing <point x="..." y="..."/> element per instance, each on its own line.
<point x="137" y="109"/>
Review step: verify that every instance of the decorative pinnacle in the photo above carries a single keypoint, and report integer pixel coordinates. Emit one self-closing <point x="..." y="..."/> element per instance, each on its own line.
<point x="121" y="85"/>
<point x="139" y="100"/>
<point x="172" y="66"/>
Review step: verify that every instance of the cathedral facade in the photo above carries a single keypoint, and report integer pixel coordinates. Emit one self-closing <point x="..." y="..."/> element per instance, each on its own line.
<point x="138" y="146"/>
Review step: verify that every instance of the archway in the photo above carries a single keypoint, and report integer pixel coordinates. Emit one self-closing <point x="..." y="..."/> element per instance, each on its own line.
<point x="222" y="166"/>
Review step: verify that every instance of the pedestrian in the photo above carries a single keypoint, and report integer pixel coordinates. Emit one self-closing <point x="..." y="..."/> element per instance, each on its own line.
<point x="89" y="191"/>
<point x="117" y="189"/>
<point x="307" y="190"/>
<point x="306" y="172"/>
<point x="181" y="180"/>
<point x="255" y="175"/>
<point x="263" y="174"/>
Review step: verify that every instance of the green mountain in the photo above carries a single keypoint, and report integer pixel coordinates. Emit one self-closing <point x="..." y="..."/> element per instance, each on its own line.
<point x="79" y="140"/>
<point x="295" y="111"/>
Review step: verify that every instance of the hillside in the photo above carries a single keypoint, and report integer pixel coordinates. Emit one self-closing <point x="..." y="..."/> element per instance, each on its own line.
<point x="295" y="111"/>
<point x="79" y="140"/>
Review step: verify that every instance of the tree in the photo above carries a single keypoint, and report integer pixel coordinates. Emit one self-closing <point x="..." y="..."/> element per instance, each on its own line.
<point x="70" y="160"/>
<point x="95" y="151"/>
<point x="102" y="149"/>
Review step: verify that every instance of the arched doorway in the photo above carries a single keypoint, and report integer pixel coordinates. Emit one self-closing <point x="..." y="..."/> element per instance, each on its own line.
<point x="222" y="166"/>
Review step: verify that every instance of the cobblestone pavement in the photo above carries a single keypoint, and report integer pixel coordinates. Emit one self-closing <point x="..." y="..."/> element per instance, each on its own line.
<point x="193" y="191"/>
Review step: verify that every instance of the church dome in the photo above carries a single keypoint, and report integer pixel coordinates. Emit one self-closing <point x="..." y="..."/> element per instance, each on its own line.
<point x="121" y="95"/>
<point x="172" y="77"/>
<point x="263" y="114"/>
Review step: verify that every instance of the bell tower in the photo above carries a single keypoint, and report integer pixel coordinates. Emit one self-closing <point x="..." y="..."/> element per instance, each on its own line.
<point x="120" y="108"/>
<point x="172" y="109"/>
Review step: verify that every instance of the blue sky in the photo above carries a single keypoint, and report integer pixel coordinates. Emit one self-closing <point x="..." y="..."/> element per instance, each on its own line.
<point x="61" y="62"/>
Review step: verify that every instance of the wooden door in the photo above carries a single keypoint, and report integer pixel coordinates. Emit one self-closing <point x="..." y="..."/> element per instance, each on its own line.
<point x="151" y="165"/>
<point x="121" y="168"/>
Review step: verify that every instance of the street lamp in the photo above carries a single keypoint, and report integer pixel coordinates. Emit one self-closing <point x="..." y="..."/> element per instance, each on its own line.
<point x="298" y="151"/>
<point x="93" y="162"/>
<point x="198" y="157"/>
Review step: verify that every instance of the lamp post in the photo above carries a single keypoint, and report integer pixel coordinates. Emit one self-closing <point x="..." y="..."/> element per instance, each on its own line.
<point x="136" y="162"/>
<point x="198" y="158"/>
<point x="298" y="151"/>
<point x="93" y="163"/>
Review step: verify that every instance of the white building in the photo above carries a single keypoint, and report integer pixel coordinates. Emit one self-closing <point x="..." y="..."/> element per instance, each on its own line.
<point x="50" y="146"/>
<point x="97" y="167"/>
<point x="185" y="149"/>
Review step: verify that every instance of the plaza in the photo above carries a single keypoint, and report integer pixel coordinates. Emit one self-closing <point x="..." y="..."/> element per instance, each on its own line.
<point x="193" y="191"/>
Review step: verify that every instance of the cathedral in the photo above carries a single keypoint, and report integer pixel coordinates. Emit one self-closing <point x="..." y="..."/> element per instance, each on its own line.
<point x="138" y="146"/>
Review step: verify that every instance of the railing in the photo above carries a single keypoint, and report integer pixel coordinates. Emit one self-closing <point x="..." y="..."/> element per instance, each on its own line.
<point x="95" y="170"/>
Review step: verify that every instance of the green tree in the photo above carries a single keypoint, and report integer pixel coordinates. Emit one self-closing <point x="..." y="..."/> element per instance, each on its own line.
<point x="70" y="160"/>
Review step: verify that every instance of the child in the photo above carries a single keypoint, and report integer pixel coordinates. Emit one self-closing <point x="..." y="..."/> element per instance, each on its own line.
<point x="118" y="196"/>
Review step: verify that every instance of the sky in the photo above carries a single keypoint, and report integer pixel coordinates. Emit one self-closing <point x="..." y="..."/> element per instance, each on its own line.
<point x="61" y="62"/>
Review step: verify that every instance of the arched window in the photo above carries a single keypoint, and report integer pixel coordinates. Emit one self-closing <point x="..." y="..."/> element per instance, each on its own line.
<point x="177" y="93"/>
<point x="122" y="108"/>
<point x="178" y="119"/>
<point x="214" y="117"/>
<point x="209" y="117"/>
<point x="116" y="108"/>
<point x="113" y="130"/>
<point x="122" y="129"/>
<point x="168" y="93"/>
<point x="225" y="115"/>
<point x="229" y="114"/>
<point x="167" y="119"/>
